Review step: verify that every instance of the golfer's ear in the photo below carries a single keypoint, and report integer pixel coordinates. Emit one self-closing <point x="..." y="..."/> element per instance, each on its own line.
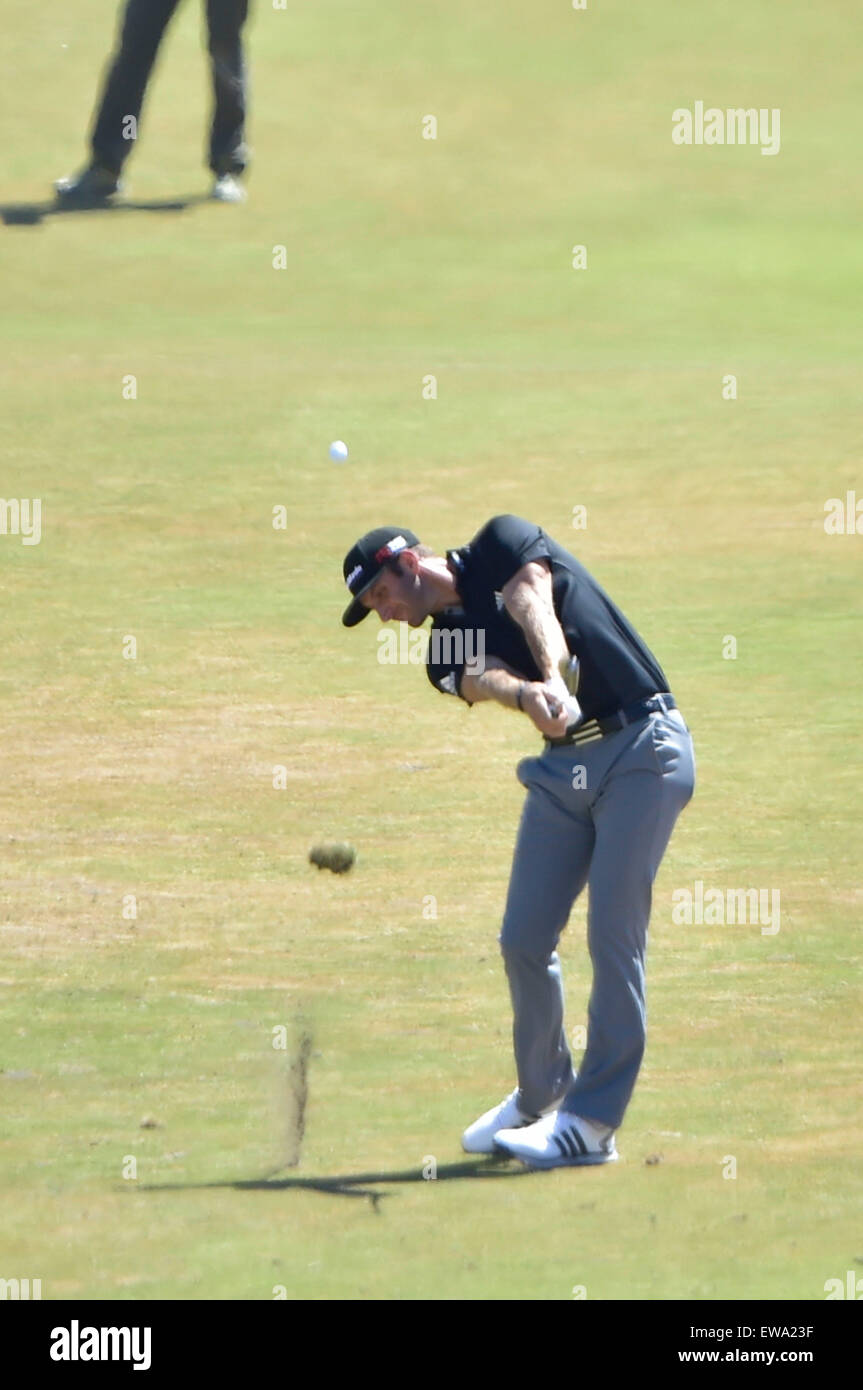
<point x="409" y="562"/>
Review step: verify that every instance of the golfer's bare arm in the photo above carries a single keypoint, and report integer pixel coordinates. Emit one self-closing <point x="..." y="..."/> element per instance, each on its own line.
<point x="496" y="682"/>
<point x="528" y="600"/>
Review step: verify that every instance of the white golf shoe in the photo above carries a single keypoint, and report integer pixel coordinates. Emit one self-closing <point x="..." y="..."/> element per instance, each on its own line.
<point x="558" y="1140"/>
<point x="228" y="189"/>
<point x="479" y="1137"/>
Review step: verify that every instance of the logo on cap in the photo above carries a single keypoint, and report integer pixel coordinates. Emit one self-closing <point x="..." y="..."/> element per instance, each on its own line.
<point x="391" y="548"/>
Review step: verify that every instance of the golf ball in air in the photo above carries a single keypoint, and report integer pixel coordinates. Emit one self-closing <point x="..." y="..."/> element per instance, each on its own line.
<point x="338" y="451"/>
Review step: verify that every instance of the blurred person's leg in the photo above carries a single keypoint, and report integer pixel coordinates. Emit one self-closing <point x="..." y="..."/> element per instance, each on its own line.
<point x="228" y="153"/>
<point x="115" y="128"/>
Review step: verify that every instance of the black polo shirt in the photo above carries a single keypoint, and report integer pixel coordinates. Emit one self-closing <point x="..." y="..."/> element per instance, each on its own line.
<point x="616" y="666"/>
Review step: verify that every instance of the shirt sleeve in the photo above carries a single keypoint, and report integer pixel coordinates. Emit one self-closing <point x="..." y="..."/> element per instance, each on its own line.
<point x="505" y="544"/>
<point x="449" y="652"/>
<point x="446" y="679"/>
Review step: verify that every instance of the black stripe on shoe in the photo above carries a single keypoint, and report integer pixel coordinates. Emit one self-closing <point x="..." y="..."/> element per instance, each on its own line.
<point x="579" y="1148"/>
<point x="566" y="1145"/>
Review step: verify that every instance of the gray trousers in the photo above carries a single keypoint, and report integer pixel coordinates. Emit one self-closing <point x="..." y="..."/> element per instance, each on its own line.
<point x="598" y="814"/>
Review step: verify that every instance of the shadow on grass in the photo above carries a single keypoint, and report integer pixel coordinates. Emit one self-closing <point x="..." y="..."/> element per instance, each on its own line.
<point x="32" y="214"/>
<point x="354" y="1184"/>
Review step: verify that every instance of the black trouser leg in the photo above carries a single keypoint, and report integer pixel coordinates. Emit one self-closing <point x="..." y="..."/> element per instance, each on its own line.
<point x="225" y="20"/>
<point x="144" y="22"/>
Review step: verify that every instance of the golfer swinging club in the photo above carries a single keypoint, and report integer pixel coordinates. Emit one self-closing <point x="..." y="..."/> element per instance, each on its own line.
<point x="616" y="770"/>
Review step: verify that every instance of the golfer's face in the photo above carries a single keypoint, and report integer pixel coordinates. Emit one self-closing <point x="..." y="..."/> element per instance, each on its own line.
<point x="396" y="598"/>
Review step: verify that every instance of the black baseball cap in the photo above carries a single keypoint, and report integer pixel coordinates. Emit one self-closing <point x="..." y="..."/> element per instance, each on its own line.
<point x="364" y="562"/>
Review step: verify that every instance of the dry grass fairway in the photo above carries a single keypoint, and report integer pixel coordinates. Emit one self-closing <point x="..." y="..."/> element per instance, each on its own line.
<point x="154" y="776"/>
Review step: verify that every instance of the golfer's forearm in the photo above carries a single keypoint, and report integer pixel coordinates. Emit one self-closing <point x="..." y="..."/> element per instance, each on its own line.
<point x="495" y="683"/>
<point x="531" y="607"/>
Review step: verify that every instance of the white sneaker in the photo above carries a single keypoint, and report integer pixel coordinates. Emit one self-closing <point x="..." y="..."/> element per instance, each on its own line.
<point x="228" y="189"/>
<point x="479" y="1137"/>
<point x="559" y="1140"/>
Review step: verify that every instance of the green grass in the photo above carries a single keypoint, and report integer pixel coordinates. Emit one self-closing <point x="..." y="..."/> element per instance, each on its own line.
<point x="556" y="387"/>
